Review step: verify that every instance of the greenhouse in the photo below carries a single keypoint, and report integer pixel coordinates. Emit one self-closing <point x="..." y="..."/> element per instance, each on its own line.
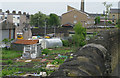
<point x="51" y="43"/>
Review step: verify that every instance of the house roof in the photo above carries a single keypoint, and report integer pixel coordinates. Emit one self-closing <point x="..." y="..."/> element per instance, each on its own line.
<point x="86" y="13"/>
<point x="67" y="24"/>
<point x="114" y="10"/>
<point x="27" y="42"/>
<point x="76" y="10"/>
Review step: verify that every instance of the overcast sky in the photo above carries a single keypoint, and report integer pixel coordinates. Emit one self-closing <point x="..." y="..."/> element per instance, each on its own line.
<point x="54" y="6"/>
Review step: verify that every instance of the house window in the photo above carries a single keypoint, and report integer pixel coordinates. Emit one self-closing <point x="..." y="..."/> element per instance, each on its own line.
<point x="26" y="29"/>
<point x="75" y="16"/>
<point x="113" y="21"/>
<point x="75" y="21"/>
<point x="113" y="17"/>
<point x="18" y="24"/>
<point x="18" y="17"/>
<point x="5" y="17"/>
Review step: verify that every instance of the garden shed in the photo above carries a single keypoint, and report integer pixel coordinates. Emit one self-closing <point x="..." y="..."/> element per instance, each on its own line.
<point x="30" y="48"/>
<point x="51" y="43"/>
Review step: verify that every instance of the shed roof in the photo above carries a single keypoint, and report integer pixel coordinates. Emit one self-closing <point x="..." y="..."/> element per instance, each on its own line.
<point x="27" y="42"/>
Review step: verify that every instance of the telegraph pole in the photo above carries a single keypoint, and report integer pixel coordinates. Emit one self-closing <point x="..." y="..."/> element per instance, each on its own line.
<point x="54" y="31"/>
<point x="45" y="27"/>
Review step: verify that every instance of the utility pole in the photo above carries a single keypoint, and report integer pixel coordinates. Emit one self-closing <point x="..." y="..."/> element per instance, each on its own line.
<point x="54" y="31"/>
<point x="45" y="29"/>
<point x="38" y="21"/>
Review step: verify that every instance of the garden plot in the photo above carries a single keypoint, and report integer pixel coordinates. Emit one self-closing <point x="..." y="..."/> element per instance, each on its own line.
<point x="12" y="62"/>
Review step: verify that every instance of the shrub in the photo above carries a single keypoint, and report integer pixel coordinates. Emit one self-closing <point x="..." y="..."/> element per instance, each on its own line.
<point x="9" y="62"/>
<point x="58" y="61"/>
<point x="65" y="43"/>
<point x="109" y="22"/>
<point x="79" y="39"/>
<point x="5" y="40"/>
<point x="45" y="51"/>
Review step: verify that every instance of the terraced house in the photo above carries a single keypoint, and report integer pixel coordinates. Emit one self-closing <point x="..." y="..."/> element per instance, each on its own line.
<point x="15" y="24"/>
<point x="114" y="15"/>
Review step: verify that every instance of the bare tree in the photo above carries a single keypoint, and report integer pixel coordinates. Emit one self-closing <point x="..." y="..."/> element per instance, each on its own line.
<point x="107" y="10"/>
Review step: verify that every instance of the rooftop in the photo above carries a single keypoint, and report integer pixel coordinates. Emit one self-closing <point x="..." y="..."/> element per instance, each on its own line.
<point x="26" y="42"/>
<point x="114" y="10"/>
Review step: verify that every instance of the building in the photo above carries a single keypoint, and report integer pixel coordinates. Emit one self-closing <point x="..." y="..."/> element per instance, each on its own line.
<point x="18" y="45"/>
<point x="73" y="16"/>
<point x="19" y="20"/>
<point x="114" y="15"/>
<point x="7" y="30"/>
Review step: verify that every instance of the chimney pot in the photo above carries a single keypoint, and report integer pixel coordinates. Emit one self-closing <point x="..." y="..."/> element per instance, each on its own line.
<point x="82" y="5"/>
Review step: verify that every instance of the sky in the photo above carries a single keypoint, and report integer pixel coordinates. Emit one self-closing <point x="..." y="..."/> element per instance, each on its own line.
<point x="54" y="6"/>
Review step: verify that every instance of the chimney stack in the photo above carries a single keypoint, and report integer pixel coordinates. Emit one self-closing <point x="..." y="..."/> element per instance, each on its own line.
<point x="13" y="12"/>
<point x="82" y="5"/>
<point x="19" y="12"/>
<point x="0" y="10"/>
<point x="8" y="11"/>
<point x="24" y="13"/>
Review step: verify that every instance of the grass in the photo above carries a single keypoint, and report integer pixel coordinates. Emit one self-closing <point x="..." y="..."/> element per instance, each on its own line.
<point x="57" y="51"/>
<point x="10" y="54"/>
<point x="7" y="61"/>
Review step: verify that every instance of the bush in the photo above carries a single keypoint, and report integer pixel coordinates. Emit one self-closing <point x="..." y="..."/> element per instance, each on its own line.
<point x="79" y="39"/>
<point x="45" y="51"/>
<point x="58" y="61"/>
<point x="109" y="22"/>
<point x="9" y="62"/>
<point x="65" y="43"/>
<point x="5" y="40"/>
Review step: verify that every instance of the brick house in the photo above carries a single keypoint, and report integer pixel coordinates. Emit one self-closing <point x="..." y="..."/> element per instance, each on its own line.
<point x="74" y="16"/>
<point x="114" y="15"/>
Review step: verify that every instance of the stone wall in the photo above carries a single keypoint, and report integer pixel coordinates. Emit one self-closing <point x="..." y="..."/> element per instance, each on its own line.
<point x="98" y="58"/>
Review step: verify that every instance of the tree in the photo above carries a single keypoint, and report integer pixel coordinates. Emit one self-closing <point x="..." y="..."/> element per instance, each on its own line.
<point x="53" y="20"/>
<point x="38" y="19"/>
<point x="80" y="35"/>
<point x="97" y="20"/>
<point x="5" y="40"/>
<point x="107" y="10"/>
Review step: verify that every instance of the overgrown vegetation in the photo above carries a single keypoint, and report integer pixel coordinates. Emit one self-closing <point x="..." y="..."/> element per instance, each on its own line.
<point x="58" y="61"/>
<point x="79" y="39"/>
<point x="12" y="67"/>
<point x="66" y="43"/>
<point x="56" y="51"/>
<point x="10" y="54"/>
<point x="6" y="40"/>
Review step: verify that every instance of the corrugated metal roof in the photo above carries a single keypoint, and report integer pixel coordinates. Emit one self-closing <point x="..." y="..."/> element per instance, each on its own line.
<point x="27" y="42"/>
